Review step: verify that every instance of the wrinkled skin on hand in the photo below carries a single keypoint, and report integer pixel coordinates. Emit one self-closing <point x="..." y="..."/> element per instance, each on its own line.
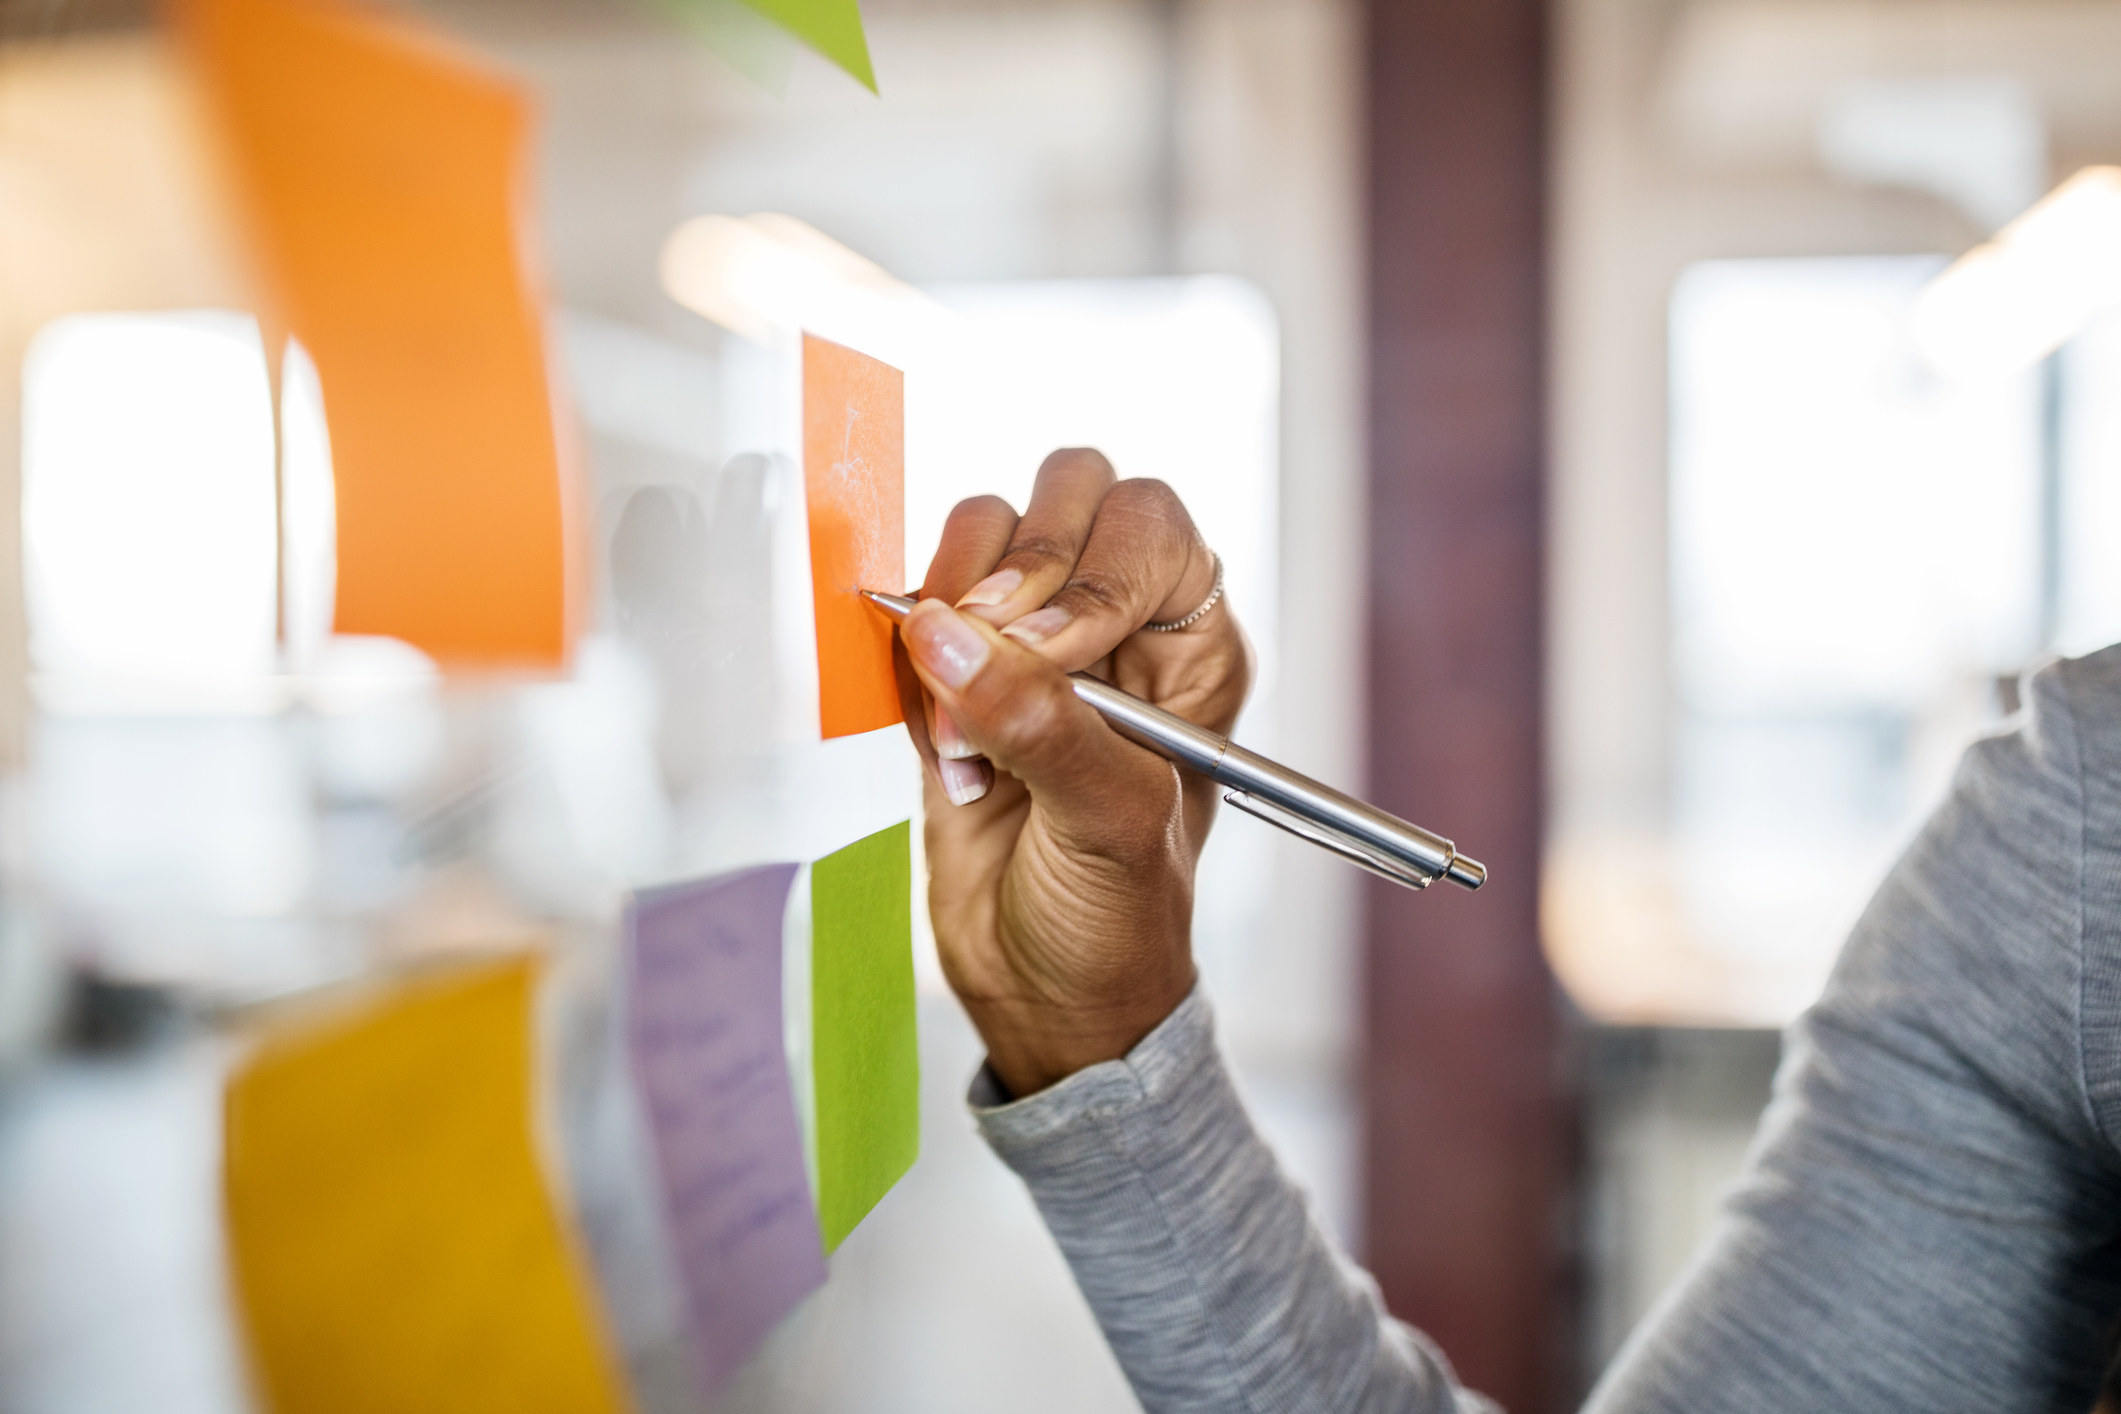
<point x="1061" y="856"/>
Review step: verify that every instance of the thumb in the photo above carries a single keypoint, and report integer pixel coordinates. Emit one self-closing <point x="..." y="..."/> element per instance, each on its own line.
<point x="1019" y="709"/>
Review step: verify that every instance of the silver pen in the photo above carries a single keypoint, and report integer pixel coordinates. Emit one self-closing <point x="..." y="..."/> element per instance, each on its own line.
<point x="1380" y="842"/>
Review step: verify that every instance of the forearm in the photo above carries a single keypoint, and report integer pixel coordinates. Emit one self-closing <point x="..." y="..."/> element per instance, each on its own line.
<point x="1213" y="1285"/>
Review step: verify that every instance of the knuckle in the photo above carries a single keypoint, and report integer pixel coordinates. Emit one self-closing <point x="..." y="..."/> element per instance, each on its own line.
<point x="1034" y="549"/>
<point x="1157" y="523"/>
<point x="1095" y="592"/>
<point x="1151" y="500"/>
<point x="1162" y="541"/>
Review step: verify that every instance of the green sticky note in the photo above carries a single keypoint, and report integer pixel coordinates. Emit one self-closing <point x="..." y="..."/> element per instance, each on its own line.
<point x="832" y="27"/>
<point x="865" y="1065"/>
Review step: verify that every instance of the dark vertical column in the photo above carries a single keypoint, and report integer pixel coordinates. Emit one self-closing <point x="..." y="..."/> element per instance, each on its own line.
<point x="1467" y="1169"/>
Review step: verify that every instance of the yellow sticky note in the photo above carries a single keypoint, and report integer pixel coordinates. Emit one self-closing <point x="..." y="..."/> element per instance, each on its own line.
<point x="393" y="1242"/>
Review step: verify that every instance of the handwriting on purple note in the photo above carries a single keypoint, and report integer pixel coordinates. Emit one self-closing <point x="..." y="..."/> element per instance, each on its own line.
<point x="703" y="1031"/>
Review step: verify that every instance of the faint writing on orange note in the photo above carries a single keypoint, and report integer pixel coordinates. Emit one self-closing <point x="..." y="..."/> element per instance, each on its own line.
<point x="854" y="477"/>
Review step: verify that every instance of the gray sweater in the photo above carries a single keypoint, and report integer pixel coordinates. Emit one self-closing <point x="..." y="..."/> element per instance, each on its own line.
<point x="1928" y="1220"/>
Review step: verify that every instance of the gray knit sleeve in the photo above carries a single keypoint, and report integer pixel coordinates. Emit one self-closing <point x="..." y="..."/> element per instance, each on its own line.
<point x="1213" y="1284"/>
<point x="1930" y="1220"/>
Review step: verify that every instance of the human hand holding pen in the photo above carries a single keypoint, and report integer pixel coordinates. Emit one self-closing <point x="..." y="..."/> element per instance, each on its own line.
<point x="1061" y="883"/>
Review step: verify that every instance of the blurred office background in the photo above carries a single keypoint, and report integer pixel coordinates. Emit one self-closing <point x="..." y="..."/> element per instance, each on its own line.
<point x="1670" y="580"/>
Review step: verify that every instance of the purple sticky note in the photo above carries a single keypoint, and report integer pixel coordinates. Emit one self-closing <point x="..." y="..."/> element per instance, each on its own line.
<point x="703" y="1027"/>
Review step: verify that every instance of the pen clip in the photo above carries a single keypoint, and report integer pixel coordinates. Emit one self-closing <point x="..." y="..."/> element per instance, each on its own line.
<point x="1353" y="850"/>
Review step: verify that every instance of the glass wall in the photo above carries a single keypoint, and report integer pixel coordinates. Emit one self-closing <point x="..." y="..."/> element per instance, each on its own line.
<point x="1117" y="224"/>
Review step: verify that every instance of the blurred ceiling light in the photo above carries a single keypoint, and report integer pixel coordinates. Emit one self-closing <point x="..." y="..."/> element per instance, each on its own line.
<point x="762" y="276"/>
<point x="2005" y="305"/>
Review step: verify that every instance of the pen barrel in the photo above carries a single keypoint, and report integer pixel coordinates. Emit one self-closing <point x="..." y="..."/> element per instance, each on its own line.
<point x="1427" y="856"/>
<point x="1430" y="854"/>
<point x="1145" y="724"/>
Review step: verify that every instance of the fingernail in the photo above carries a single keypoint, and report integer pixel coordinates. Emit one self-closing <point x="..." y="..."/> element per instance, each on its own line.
<point x="1039" y="625"/>
<point x="946" y="645"/>
<point x="963" y="781"/>
<point x="950" y="743"/>
<point x="993" y="589"/>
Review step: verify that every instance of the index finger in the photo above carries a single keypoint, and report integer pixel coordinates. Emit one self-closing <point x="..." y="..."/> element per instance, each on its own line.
<point x="974" y="538"/>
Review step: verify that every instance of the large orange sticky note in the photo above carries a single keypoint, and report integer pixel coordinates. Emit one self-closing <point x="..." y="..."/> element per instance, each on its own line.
<point x="384" y="177"/>
<point x="854" y="474"/>
<point x="393" y="1244"/>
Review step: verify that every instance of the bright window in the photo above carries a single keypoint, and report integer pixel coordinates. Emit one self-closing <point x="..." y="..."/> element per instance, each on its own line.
<point x="1856" y="557"/>
<point x="149" y="524"/>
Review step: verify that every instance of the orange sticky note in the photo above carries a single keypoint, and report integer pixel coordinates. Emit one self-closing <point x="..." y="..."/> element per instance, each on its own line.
<point x="393" y="1244"/>
<point x="854" y="477"/>
<point x="384" y="178"/>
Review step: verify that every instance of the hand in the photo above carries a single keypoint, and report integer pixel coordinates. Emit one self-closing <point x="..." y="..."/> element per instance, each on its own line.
<point x="1061" y="855"/>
